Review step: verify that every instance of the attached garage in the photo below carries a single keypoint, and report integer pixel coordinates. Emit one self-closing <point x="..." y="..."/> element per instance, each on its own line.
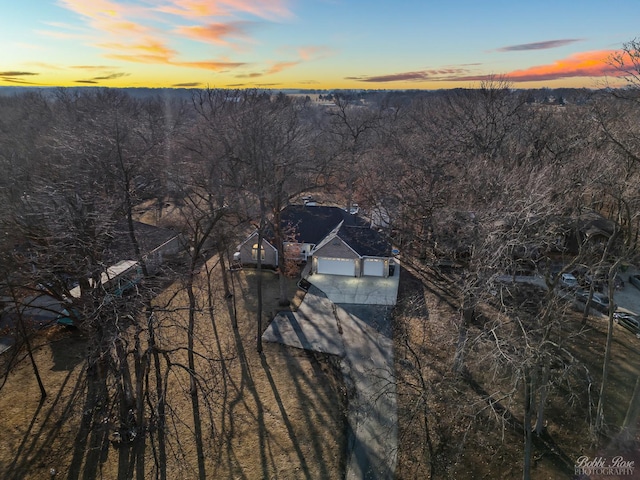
<point x="337" y="266"/>
<point x="373" y="267"/>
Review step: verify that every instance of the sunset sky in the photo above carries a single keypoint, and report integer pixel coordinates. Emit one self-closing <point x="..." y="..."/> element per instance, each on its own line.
<point x="321" y="44"/>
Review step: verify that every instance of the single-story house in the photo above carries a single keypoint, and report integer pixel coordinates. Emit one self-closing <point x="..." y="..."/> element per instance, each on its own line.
<point x="156" y="244"/>
<point x="337" y="241"/>
<point x="124" y="271"/>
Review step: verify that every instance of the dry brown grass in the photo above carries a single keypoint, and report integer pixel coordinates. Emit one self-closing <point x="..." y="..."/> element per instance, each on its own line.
<point x="468" y="437"/>
<point x="280" y="415"/>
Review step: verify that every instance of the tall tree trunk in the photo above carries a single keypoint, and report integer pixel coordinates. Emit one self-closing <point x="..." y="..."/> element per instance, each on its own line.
<point x="279" y="237"/>
<point x="259" y="294"/>
<point x="160" y="394"/>
<point x="542" y="400"/>
<point x="127" y="397"/>
<point x="224" y="271"/>
<point x="263" y="215"/>
<point x="607" y="352"/>
<point x="467" y="318"/>
<point x="526" y="424"/>
<point x="36" y="371"/>
<point x="587" y="305"/>
<point x="193" y="387"/>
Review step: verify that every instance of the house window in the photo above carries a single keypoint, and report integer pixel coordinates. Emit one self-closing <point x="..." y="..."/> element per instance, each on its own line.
<point x="254" y="252"/>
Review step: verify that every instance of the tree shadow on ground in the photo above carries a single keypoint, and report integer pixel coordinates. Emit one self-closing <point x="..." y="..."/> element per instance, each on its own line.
<point x="46" y="424"/>
<point x="285" y="418"/>
<point x="544" y="443"/>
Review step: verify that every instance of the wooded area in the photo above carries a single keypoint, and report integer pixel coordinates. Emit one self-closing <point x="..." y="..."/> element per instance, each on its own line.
<point x="476" y="188"/>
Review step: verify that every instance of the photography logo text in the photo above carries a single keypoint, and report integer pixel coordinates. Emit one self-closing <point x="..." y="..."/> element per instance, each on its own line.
<point x="604" y="466"/>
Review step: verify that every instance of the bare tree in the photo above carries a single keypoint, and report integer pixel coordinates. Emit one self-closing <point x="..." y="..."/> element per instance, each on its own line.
<point x="264" y="142"/>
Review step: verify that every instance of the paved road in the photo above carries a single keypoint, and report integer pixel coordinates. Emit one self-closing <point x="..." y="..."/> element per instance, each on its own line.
<point x="361" y="336"/>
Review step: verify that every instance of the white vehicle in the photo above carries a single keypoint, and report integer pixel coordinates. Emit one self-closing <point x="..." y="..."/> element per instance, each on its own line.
<point x="568" y="280"/>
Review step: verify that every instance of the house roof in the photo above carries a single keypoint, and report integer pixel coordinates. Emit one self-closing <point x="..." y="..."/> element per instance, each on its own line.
<point x="365" y="241"/>
<point x="310" y="224"/>
<point x="149" y="238"/>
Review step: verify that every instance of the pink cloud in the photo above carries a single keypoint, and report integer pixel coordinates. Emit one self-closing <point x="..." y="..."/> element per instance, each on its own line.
<point x="216" y="32"/>
<point x="314" y="52"/>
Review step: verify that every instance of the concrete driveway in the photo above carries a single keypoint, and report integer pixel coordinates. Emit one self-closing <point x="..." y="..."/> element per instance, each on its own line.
<point x="358" y="290"/>
<point x="361" y="336"/>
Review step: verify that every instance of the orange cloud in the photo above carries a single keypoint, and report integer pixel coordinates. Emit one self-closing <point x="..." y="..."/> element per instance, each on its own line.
<point x="274" y="68"/>
<point x="216" y="32"/>
<point x="192" y="9"/>
<point x="584" y="64"/>
<point x="107" y="16"/>
<point x="148" y="51"/>
<point x="91" y="67"/>
<point x="212" y="65"/>
<point x="195" y="9"/>
<point x="280" y="66"/>
<point x="304" y="54"/>
<point x="127" y="34"/>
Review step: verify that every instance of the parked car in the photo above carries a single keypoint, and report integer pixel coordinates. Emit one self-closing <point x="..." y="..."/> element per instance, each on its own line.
<point x="629" y="321"/>
<point x="599" y="301"/>
<point x="568" y="280"/>
<point x="635" y="280"/>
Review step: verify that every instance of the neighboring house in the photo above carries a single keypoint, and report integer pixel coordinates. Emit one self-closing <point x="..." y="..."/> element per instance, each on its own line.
<point x="339" y="242"/>
<point x="117" y="279"/>
<point x="589" y="230"/>
<point x="37" y="311"/>
<point x="156" y="246"/>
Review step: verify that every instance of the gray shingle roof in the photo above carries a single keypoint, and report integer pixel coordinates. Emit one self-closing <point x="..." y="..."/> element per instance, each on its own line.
<point x="310" y="224"/>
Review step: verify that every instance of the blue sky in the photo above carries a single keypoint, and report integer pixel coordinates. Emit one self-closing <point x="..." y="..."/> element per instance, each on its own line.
<point x="313" y="43"/>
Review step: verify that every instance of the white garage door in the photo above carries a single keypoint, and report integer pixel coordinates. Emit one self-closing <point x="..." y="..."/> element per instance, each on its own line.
<point x="373" y="267"/>
<point x="336" y="266"/>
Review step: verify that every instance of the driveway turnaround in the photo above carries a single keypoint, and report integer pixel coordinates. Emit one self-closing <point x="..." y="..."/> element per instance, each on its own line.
<point x="360" y="335"/>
